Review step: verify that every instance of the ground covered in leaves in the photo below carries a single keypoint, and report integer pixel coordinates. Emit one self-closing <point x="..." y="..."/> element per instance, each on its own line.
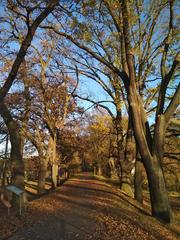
<point x="84" y="209"/>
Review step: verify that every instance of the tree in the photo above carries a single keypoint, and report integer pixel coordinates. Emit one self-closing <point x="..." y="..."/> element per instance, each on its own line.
<point x="18" y="9"/>
<point x="150" y="147"/>
<point x="52" y="105"/>
<point x="171" y="155"/>
<point x="99" y="141"/>
<point x="151" y="150"/>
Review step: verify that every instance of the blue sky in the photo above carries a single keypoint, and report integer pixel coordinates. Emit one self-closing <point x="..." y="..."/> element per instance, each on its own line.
<point x="87" y="86"/>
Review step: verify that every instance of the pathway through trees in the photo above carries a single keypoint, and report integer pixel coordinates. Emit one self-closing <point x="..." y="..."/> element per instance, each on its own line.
<point x="84" y="208"/>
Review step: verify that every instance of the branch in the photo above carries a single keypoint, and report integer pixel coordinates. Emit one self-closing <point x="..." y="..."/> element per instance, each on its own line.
<point x="77" y="82"/>
<point x="24" y="47"/>
<point x="172" y="105"/>
<point x="97" y="104"/>
<point x="166" y="77"/>
<point x="122" y="74"/>
<point x="167" y="40"/>
<point x="174" y="66"/>
<point x="113" y="17"/>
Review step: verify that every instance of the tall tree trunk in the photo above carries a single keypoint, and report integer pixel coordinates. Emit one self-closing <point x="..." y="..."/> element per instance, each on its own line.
<point x="138" y="179"/>
<point x="119" y="135"/>
<point x="118" y="152"/>
<point x="113" y="169"/>
<point x="54" y="175"/>
<point x="99" y="172"/>
<point x="17" y="162"/>
<point x="128" y="163"/>
<point x="159" y="198"/>
<point x="54" y="161"/>
<point x="126" y="182"/>
<point x="16" y="156"/>
<point x="42" y="176"/>
<point x="3" y="183"/>
<point x="16" y="146"/>
<point x="5" y="162"/>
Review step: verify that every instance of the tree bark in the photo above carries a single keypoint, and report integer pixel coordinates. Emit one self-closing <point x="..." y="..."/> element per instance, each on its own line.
<point x="126" y="183"/>
<point x="52" y="143"/>
<point x="5" y="163"/>
<point x="159" y="198"/>
<point x="16" y="146"/>
<point x="42" y="176"/>
<point x="113" y="169"/>
<point x="99" y="173"/>
<point x="127" y="165"/>
<point x="158" y="194"/>
<point x="4" y="169"/>
<point x="54" y="175"/>
<point x="138" y="180"/>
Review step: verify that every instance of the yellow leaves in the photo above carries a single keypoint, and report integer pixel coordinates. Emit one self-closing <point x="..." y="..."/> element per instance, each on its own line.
<point x="81" y="30"/>
<point x="101" y="124"/>
<point x="152" y="90"/>
<point x="91" y="3"/>
<point x="114" y="4"/>
<point x="108" y="41"/>
<point x="117" y="61"/>
<point x="6" y="66"/>
<point x="74" y="23"/>
<point x="87" y="6"/>
<point x="87" y="36"/>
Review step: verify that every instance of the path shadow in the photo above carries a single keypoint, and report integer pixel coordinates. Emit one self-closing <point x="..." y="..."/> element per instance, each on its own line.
<point x="125" y="197"/>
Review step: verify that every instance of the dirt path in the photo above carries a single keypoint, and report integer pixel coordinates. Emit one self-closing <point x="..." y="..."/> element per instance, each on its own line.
<point x="84" y="209"/>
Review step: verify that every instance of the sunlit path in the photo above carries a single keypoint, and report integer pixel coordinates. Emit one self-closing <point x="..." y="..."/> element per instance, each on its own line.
<point x="84" y="208"/>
